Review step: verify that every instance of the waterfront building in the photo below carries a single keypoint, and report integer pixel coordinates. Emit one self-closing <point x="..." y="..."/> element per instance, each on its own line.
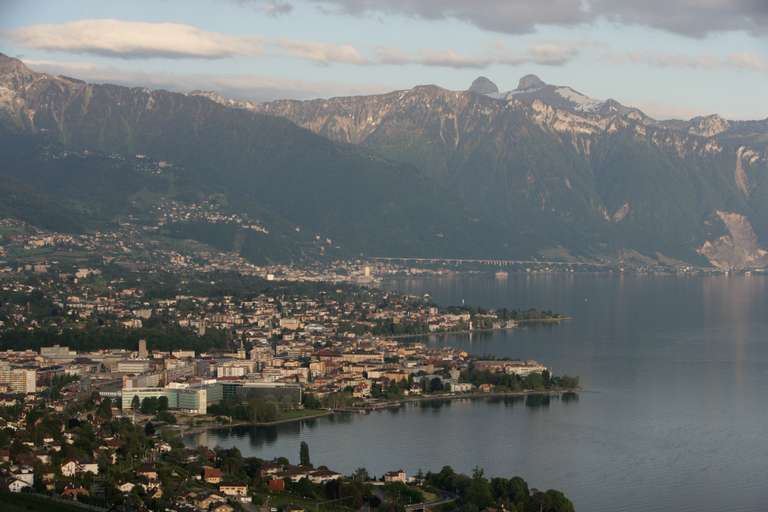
<point x="186" y="399"/>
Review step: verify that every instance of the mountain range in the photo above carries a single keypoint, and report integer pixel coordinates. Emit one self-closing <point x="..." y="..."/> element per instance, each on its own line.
<point x="541" y="171"/>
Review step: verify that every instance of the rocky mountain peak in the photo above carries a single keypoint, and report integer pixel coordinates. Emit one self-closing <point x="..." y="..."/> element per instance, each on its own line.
<point x="529" y="82"/>
<point x="11" y="66"/>
<point x="483" y="85"/>
<point x="14" y="74"/>
<point x="708" y="126"/>
<point x="211" y="95"/>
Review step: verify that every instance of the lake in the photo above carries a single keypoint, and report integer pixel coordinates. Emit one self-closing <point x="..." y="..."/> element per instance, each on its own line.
<point x="673" y="414"/>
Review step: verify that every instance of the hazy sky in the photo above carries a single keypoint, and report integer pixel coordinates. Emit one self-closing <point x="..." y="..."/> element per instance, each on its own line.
<point x="672" y="58"/>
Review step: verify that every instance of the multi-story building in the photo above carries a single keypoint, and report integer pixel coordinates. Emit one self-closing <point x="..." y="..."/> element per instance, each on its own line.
<point x="18" y="380"/>
<point x="143" y="353"/>
<point x="185" y="399"/>
<point x="58" y="353"/>
<point x="133" y="366"/>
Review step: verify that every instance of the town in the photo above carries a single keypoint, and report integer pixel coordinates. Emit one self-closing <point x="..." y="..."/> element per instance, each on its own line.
<point x="104" y="369"/>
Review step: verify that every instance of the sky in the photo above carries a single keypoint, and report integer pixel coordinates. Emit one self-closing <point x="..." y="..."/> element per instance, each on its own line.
<point x="671" y="58"/>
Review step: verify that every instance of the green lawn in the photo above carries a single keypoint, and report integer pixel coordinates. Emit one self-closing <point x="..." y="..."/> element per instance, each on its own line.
<point x="21" y="502"/>
<point x="283" y="499"/>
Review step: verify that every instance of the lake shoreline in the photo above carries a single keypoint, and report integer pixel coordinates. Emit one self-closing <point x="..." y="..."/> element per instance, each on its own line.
<point x="197" y="429"/>
<point x="379" y="406"/>
<point x="490" y="329"/>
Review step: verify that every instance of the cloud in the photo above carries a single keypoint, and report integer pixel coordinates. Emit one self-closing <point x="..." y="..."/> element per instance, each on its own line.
<point x="277" y="8"/>
<point x="134" y="40"/>
<point x="738" y="61"/>
<point x="510" y="16"/>
<point x="552" y="54"/>
<point x="274" y="8"/>
<point x="250" y="87"/>
<point x="688" y="17"/>
<point x="694" y="18"/>
<point x="140" y="40"/>
<point x="748" y="61"/>
<point x="323" y="53"/>
<point x="548" y="54"/>
<point x="446" y="58"/>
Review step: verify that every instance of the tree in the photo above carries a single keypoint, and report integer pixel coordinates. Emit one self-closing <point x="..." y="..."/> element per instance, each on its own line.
<point x="262" y="411"/>
<point x="135" y="403"/>
<point x="551" y="501"/>
<point x="166" y="417"/>
<point x="304" y="454"/>
<point x="436" y="384"/>
<point x="162" y="403"/>
<point x="311" y="401"/>
<point x="149" y="429"/>
<point x="149" y="405"/>
<point x="105" y="409"/>
<point x="479" y="491"/>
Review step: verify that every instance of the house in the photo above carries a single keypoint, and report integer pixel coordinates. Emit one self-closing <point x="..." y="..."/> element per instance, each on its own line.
<point x="16" y="485"/>
<point x="294" y="474"/>
<point x="322" y="476"/>
<point x="147" y="471"/>
<point x="163" y="447"/>
<point x="270" y="468"/>
<point x="74" y="492"/>
<point x="126" y="487"/>
<point x="71" y="467"/>
<point x="460" y="387"/>
<point x="23" y="473"/>
<point x="396" y="476"/>
<point x="276" y="485"/>
<point x="88" y="467"/>
<point x="233" y="489"/>
<point x="204" y="502"/>
<point x="212" y="475"/>
<point x="68" y="467"/>
<point x="223" y="507"/>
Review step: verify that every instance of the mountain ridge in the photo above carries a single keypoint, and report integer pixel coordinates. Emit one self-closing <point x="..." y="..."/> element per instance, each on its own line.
<point x="531" y="172"/>
<point x="540" y="142"/>
<point x="347" y="194"/>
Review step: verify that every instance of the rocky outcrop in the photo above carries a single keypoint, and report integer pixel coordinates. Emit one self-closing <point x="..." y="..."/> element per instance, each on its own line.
<point x="483" y="85"/>
<point x="739" y="249"/>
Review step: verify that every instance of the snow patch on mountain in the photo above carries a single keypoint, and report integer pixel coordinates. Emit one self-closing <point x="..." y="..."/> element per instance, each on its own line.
<point x="581" y="102"/>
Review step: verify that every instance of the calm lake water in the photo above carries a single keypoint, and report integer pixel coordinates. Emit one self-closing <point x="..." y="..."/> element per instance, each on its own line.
<point x="673" y="415"/>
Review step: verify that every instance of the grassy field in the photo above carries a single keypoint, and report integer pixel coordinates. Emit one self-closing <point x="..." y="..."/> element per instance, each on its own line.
<point x="11" y="502"/>
<point x="281" y="500"/>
